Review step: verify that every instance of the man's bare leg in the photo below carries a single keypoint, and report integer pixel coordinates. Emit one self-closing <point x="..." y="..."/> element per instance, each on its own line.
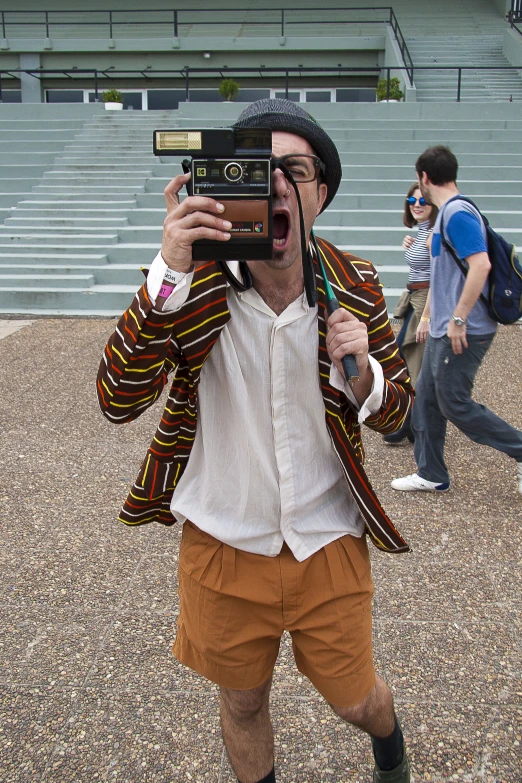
<point x="247" y="731"/>
<point x="375" y="714"/>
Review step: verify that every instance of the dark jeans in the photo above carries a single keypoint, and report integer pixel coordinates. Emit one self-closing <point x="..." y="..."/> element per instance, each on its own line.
<point x="444" y="389"/>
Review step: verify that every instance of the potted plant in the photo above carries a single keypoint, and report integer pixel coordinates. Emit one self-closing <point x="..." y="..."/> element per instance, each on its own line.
<point x="396" y="94"/>
<point x="112" y="99"/>
<point x="228" y="89"/>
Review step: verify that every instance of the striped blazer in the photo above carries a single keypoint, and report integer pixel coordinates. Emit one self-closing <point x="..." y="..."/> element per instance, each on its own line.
<point x="148" y="345"/>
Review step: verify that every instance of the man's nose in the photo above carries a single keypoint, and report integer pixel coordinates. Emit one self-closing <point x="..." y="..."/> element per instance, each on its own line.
<point x="279" y="183"/>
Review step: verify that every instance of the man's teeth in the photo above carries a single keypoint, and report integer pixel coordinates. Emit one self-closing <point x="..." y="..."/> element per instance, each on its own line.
<point x="280" y="242"/>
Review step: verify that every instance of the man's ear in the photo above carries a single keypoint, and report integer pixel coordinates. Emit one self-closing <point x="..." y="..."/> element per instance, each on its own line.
<point x="322" y="192"/>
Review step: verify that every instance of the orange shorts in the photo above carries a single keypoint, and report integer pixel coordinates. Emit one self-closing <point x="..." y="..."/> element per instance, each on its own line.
<point x="234" y="607"/>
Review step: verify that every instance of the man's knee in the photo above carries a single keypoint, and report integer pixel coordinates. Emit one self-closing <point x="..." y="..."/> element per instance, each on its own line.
<point x="245" y="705"/>
<point x="454" y="406"/>
<point x="377" y="706"/>
<point x="359" y="713"/>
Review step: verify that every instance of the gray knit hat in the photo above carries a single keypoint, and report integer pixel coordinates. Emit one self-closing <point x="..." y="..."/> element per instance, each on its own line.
<point x="279" y="114"/>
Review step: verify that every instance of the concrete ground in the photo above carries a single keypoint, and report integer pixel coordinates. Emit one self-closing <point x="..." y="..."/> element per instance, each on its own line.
<point x="89" y="689"/>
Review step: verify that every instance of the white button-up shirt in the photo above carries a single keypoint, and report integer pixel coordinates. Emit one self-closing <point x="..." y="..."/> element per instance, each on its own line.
<point x="262" y="469"/>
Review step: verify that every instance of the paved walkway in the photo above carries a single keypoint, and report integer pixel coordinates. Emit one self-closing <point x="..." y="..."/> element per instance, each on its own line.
<point x="89" y="690"/>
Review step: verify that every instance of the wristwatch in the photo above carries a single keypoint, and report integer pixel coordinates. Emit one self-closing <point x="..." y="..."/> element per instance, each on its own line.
<point x="458" y="321"/>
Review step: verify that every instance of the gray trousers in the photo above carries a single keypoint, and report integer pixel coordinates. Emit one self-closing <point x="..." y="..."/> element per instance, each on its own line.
<point x="444" y="389"/>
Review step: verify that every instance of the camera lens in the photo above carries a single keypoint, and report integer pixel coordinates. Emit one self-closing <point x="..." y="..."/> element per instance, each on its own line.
<point x="233" y="172"/>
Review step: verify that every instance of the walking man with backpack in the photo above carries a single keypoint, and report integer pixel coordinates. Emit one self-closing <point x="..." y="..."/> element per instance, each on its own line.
<point x="461" y="331"/>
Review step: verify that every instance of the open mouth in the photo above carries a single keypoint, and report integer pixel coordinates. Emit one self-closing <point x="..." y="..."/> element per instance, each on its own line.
<point x="281" y="226"/>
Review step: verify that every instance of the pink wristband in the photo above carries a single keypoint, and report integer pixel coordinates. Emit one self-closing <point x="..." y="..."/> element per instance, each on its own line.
<point x="166" y="291"/>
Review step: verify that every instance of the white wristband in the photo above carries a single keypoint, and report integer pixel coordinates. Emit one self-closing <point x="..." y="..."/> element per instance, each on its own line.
<point x="172" y="276"/>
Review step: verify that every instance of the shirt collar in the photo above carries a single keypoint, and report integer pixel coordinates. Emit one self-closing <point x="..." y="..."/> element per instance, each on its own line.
<point x="251" y="297"/>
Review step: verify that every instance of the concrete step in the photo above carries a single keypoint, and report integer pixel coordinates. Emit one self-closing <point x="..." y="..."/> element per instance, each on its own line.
<point x="65" y="222"/>
<point x="88" y="178"/>
<point x="35" y="216"/>
<point x="17" y="146"/>
<point x="14" y="237"/>
<point x="428" y="137"/>
<point x="15" y="258"/>
<point x="99" y="199"/>
<point x="142" y="253"/>
<point x="145" y="159"/>
<point x="32" y="280"/>
<point x="468" y="186"/>
<point x="90" y="234"/>
<point x="393" y="218"/>
<point x="100" y="300"/>
<point x="466" y="159"/>
<point x="70" y="191"/>
<point x="95" y="169"/>
<point x="15" y="184"/>
<point x="391" y="171"/>
<point x="354" y="200"/>
<point x="37" y="159"/>
<point x="388" y="235"/>
<point x="44" y="123"/>
<point x="107" y="274"/>
<point x="469" y="101"/>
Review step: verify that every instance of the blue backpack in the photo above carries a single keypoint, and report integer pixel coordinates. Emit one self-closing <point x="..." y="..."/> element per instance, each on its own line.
<point x="504" y="303"/>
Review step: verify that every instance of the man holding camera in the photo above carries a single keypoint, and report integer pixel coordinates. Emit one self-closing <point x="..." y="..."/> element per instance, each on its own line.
<point x="259" y="451"/>
<point x="461" y="332"/>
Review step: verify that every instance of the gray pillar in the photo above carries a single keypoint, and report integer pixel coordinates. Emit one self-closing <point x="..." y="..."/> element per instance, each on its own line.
<point x="31" y="86"/>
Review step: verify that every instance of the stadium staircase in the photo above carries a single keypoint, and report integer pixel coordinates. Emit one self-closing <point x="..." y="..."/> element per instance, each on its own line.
<point x="478" y="85"/>
<point x="88" y="213"/>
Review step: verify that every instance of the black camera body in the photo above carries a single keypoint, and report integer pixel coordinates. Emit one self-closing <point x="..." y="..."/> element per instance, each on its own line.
<point x="231" y="165"/>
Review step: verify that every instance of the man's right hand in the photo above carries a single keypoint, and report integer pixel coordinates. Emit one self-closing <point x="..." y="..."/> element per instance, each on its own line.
<point x="197" y="217"/>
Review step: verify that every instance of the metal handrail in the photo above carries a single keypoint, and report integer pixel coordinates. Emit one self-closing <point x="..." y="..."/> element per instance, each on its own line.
<point x="184" y="73"/>
<point x="515" y="15"/>
<point x="516" y="10"/>
<point x="406" y="57"/>
<point x="175" y="15"/>
<point x="283" y="22"/>
<point x="512" y="22"/>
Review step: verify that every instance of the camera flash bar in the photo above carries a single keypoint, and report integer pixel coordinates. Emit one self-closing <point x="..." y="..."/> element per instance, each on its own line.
<point x="213" y="142"/>
<point x="178" y="141"/>
<point x="210" y="141"/>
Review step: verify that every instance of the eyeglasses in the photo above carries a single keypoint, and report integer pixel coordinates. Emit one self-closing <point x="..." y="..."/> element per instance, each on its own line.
<point x="303" y="168"/>
<point x="422" y="201"/>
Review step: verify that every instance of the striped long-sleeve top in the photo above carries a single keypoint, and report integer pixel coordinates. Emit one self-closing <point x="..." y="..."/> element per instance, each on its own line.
<point x="148" y="345"/>
<point x="418" y="256"/>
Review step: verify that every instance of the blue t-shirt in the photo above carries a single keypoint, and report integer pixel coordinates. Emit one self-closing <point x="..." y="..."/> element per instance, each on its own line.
<point x="466" y="233"/>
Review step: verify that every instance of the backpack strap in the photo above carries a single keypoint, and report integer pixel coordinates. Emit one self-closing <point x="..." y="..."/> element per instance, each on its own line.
<point x="447" y="244"/>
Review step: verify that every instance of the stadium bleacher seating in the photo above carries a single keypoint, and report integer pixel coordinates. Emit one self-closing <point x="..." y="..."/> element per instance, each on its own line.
<point x="81" y="195"/>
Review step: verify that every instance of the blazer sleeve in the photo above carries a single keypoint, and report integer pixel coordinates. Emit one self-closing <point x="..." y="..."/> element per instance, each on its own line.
<point x="137" y="360"/>
<point x="398" y="393"/>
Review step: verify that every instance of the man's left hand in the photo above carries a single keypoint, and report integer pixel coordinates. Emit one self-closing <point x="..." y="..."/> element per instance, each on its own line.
<point x="347" y="335"/>
<point x="457" y="335"/>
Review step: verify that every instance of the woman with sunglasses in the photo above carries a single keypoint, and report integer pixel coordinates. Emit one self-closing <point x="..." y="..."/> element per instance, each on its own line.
<point x="414" y="306"/>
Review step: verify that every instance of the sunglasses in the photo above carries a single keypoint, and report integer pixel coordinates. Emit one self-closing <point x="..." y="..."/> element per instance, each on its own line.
<point x="411" y="200"/>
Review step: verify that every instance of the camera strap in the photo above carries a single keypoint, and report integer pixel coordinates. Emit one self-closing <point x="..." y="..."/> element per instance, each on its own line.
<point x="310" y="283"/>
<point x="232" y="279"/>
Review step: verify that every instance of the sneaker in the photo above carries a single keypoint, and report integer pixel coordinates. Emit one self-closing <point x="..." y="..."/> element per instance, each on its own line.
<point x="519" y="466"/>
<point x="400" y="774"/>
<point x="415" y="482"/>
